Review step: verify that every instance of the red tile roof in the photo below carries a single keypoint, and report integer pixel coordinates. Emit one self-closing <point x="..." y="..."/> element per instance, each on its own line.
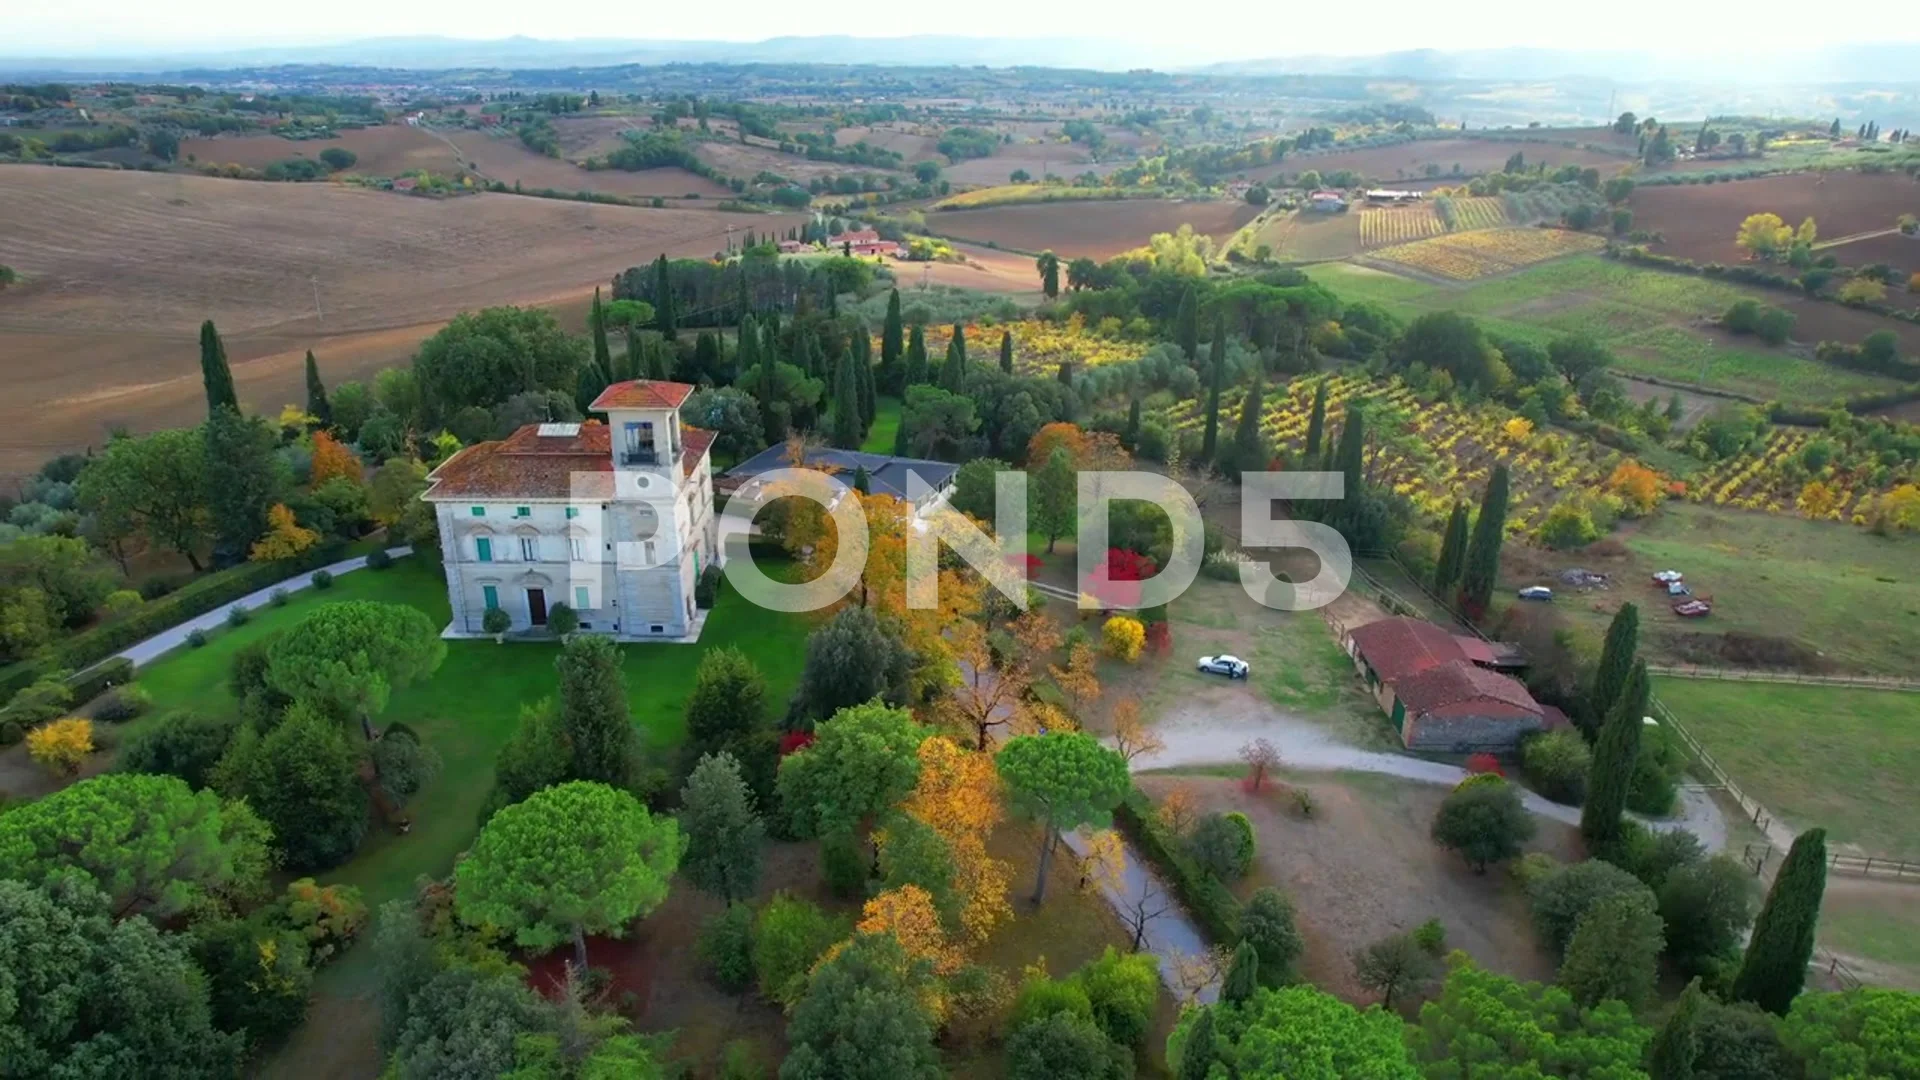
<point x="529" y="465"/>
<point x="1398" y="647"/>
<point x="1461" y="689"/>
<point x="641" y="394"/>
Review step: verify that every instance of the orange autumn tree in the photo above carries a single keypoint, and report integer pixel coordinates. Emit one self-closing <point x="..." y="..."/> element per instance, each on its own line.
<point x="331" y="458"/>
<point x="1053" y="437"/>
<point x="986" y="696"/>
<point x="1818" y="500"/>
<point x="958" y="797"/>
<point x="1637" y="486"/>
<point x="285" y="538"/>
<point x="1078" y="680"/>
<point x="1131" y="735"/>
<point x="909" y="915"/>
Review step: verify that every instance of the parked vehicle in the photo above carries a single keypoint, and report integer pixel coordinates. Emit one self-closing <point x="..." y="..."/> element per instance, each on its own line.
<point x="1693" y="609"/>
<point x="1231" y="666"/>
<point x="1536" y="592"/>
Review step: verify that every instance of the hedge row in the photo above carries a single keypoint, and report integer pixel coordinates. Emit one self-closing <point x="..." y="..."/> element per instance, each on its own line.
<point x="1205" y="898"/>
<point x="213" y="591"/>
<point x="1749" y="275"/>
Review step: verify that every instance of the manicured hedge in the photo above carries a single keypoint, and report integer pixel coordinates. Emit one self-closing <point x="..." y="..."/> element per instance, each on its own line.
<point x="1213" y="908"/>
<point x="92" y="682"/>
<point x="207" y="594"/>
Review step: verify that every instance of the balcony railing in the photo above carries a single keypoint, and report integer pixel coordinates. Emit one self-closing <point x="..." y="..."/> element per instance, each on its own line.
<point x="639" y="457"/>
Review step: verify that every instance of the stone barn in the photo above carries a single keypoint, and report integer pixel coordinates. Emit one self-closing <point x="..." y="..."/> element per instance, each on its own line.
<point x="1441" y="694"/>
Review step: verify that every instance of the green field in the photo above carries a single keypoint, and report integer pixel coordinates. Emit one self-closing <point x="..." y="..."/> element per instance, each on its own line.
<point x="1645" y="316"/>
<point x="886" y="425"/>
<point x="1840" y="590"/>
<point x="1844" y="759"/>
<point x="471" y="705"/>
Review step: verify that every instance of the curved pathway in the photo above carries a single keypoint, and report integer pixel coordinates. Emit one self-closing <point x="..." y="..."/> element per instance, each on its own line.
<point x="153" y="648"/>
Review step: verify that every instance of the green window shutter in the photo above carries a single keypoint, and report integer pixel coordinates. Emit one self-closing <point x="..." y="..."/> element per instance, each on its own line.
<point x="1399" y="715"/>
<point x="477" y="511"/>
<point x="523" y="511"/>
<point x="580" y="598"/>
<point x="573" y="512"/>
<point x="483" y="547"/>
<point x="492" y="596"/>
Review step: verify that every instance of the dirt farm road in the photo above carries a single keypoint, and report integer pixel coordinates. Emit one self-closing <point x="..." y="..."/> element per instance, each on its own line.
<point x="1206" y="737"/>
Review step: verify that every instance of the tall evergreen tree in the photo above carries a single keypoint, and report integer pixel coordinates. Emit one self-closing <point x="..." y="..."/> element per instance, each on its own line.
<point x="317" y="405"/>
<point x="744" y="302"/>
<point x="916" y="370"/>
<point x="597" y="323"/>
<point x="746" y="356"/>
<point x="1249" y="450"/>
<point x="708" y="357"/>
<point x="863" y="371"/>
<point x="588" y="385"/>
<point x="1616" y="664"/>
<point x="1006" y="351"/>
<point x="1676" y="1046"/>
<point x="862" y="480"/>
<point x="1483" y="551"/>
<point x="1350" y="460"/>
<point x="953" y="377"/>
<point x="1216" y="380"/>
<point x="215" y="375"/>
<point x="771" y="429"/>
<point x="1243" y="975"/>
<point x="243" y="481"/>
<point x="628" y="366"/>
<point x="1131" y="438"/>
<point x="1196" y="1058"/>
<point x="660" y="361"/>
<point x="892" y="347"/>
<point x="1775" y="966"/>
<point x="663" y="315"/>
<point x="1613" y="760"/>
<point x="1453" y="551"/>
<point x="1186" y="327"/>
<point x="846" y="405"/>
<point x="594" y="712"/>
<point x="1317" y="421"/>
<point x="903" y="439"/>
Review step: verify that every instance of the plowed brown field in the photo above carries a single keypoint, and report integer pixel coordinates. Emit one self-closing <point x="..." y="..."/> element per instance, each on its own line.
<point x="503" y="158"/>
<point x="1700" y="220"/>
<point x="388" y="150"/>
<point x="1099" y="230"/>
<point x="120" y="267"/>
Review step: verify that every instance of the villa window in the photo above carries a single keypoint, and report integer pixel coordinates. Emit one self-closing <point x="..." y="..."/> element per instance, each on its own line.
<point x="483" y="549"/>
<point x="530" y="548"/>
<point x="522" y="511"/>
<point x="477" y="511"/>
<point x="577" y="548"/>
<point x="582" y="598"/>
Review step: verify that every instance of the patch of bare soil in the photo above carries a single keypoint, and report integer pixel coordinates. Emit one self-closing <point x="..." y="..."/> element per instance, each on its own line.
<point x="1364" y="867"/>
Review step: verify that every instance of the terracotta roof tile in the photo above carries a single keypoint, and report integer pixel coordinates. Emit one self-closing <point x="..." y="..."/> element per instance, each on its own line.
<point x="1460" y="688"/>
<point x="1398" y="647"/>
<point x="641" y="394"/>
<point x="530" y="465"/>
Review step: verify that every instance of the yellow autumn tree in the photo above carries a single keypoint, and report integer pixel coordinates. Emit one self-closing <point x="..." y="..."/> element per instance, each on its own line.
<point x="1104" y="866"/>
<point x="1079" y="680"/>
<point x="1518" y="428"/>
<point x="959" y="797"/>
<point x="986" y="696"/>
<point x="909" y="915"/>
<point x="1124" y="638"/>
<point x="1763" y="234"/>
<point x="285" y="538"/>
<point x="59" y="746"/>
<point x="1896" y="511"/>
<point x="1806" y="233"/>
<point x="332" y="458"/>
<point x="1818" y="500"/>
<point x="1178" y="810"/>
<point x="1637" y="486"/>
<point x="1131" y="735"/>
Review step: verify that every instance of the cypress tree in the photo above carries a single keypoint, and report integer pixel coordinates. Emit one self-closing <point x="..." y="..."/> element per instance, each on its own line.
<point x="846" y="405"/>
<point x="1132" y="437"/>
<point x="863" y="378"/>
<point x="629" y="365"/>
<point x="1216" y="376"/>
<point x="659" y="361"/>
<point x="747" y="355"/>
<point x="1616" y="664"/>
<point x="1351" y="457"/>
<point x="242" y="481"/>
<point x="1613" y="759"/>
<point x="1483" y="552"/>
<point x="597" y="322"/>
<point x="744" y="302"/>
<point x="1453" y="551"/>
<point x="215" y="375"/>
<point x="892" y="347"/>
<point x="1317" y="421"/>
<point x="770" y="426"/>
<point x="916" y="370"/>
<point x="902" y="439"/>
<point x="588" y="385"/>
<point x="707" y="355"/>
<point x="862" y="481"/>
<point x="317" y="404"/>
<point x="1196" y="1058"/>
<point x="1248" y="452"/>
<point x="1676" y="1046"/>
<point x="1186" y="327"/>
<point x="1243" y="975"/>
<point x="1064" y="373"/>
<point x="594" y="711"/>
<point x="1006" y="351"/>
<point x="1775" y="966"/>
<point x="953" y="377"/>
<point x="663" y="300"/>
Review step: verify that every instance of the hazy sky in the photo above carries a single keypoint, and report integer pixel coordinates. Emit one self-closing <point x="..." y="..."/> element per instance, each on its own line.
<point x="1232" y="30"/>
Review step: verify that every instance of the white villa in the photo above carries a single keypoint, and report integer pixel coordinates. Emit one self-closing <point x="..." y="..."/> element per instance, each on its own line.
<point x="615" y="520"/>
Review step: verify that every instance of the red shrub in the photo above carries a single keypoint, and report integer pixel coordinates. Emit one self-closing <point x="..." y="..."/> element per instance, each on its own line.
<point x="1484" y="763"/>
<point x="794" y="741"/>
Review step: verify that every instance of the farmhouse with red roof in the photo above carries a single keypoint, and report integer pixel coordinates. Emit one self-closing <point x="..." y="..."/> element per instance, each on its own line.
<point x="614" y="520"/>
<point x="1440" y="690"/>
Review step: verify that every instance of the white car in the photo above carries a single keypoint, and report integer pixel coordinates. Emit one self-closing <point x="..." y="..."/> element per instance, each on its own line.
<point x="1536" y="592"/>
<point x="1231" y="666"/>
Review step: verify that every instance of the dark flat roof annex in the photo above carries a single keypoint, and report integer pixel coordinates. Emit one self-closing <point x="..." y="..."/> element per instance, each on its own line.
<point x="888" y="473"/>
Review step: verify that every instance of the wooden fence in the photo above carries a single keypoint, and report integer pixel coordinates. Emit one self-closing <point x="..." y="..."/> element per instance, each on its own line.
<point x="1865" y="682"/>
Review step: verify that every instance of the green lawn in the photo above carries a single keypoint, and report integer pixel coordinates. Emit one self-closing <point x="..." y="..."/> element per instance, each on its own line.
<point x="886" y="426"/>
<point x="1647" y="317"/>
<point x="1845" y="759"/>
<point x="470" y="706"/>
